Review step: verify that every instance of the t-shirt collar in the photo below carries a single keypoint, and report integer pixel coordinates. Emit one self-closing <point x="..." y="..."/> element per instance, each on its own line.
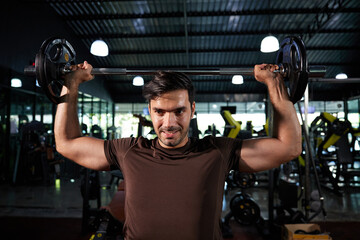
<point x="182" y="149"/>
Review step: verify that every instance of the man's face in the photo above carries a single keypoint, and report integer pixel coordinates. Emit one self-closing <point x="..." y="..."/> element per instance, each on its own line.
<point x="171" y="114"/>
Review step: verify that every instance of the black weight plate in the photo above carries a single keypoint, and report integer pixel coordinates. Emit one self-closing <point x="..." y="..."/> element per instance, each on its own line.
<point x="244" y="209"/>
<point x="54" y="55"/>
<point x="292" y="54"/>
<point x="244" y="180"/>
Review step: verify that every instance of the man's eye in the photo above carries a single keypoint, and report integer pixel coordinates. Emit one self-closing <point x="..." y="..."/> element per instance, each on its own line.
<point x="179" y="111"/>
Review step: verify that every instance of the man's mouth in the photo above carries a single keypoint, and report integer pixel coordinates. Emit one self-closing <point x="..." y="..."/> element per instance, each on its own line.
<point x="169" y="133"/>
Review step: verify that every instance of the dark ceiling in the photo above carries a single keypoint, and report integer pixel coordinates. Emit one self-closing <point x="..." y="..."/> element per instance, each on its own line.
<point x="199" y="34"/>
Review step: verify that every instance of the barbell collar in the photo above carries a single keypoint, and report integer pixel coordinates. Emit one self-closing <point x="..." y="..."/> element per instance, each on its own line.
<point x="30" y="71"/>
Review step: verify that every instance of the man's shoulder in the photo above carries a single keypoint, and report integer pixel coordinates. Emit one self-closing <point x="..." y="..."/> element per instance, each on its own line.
<point x="131" y="141"/>
<point x="139" y="141"/>
<point x="143" y="141"/>
<point x="210" y="140"/>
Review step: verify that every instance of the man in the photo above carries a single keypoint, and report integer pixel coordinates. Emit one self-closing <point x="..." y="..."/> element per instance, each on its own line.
<point x="174" y="184"/>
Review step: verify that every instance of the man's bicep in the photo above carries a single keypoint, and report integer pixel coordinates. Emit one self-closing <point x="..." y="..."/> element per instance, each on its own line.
<point x="260" y="154"/>
<point x="88" y="152"/>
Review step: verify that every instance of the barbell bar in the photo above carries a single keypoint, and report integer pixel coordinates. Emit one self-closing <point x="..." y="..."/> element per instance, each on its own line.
<point x="56" y="55"/>
<point x="314" y="71"/>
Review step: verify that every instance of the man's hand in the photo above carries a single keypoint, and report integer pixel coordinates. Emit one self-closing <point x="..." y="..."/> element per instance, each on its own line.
<point x="80" y="73"/>
<point x="265" y="72"/>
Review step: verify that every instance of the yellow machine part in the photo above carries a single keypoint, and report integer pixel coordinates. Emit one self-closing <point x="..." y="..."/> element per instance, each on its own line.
<point x="234" y="131"/>
<point x="331" y="141"/>
<point x="267" y="126"/>
<point x="328" y="116"/>
<point x="356" y="132"/>
<point x="301" y="161"/>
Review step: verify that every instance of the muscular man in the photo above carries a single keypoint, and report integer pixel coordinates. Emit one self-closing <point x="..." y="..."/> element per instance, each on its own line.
<point x="174" y="184"/>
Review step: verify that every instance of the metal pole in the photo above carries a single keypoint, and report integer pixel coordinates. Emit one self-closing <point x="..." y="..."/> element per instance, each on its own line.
<point x="186" y="35"/>
<point x="307" y="156"/>
<point x="221" y="71"/>
<point x="271" y="174"/>
<point x="334" y="80"/>
<point x="314" y="71"/>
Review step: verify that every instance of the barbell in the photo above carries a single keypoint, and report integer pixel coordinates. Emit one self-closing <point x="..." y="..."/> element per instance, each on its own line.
<point x="56" y="55"/>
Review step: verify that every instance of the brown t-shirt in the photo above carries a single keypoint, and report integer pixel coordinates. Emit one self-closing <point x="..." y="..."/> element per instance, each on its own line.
<point x="173" y="193"/>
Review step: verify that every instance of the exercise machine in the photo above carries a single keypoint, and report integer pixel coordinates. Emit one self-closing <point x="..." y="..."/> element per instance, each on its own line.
<point x="334" y="151"/>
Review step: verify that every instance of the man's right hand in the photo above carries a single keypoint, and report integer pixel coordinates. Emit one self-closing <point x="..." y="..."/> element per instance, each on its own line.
<point x="265" y="73"/>
<point x="80" y="73"/>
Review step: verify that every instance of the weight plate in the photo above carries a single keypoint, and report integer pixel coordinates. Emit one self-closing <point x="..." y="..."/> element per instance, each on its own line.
<point x="244" y="209"/>
<point x="292" y="55"/>
<point x="244" y="180"/>
<point x="53" y="56"/>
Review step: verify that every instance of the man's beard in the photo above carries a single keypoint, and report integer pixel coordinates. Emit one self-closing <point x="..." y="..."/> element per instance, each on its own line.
<point x="169" y="142"/>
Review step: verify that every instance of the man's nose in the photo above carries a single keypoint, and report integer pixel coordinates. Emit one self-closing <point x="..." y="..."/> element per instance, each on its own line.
<point x="169" y="119"/>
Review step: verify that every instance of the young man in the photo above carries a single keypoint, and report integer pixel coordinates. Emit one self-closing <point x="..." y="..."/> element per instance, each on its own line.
<point x="174" y="184"/>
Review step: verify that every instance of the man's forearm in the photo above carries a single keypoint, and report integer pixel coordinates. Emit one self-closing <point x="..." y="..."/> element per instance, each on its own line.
<point x="85" y="151"/>
<point x="67" y="125"/>
<point x="286" y="126"/>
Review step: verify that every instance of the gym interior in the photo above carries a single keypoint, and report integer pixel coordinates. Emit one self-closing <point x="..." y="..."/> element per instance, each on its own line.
<point x="315" y="196"/>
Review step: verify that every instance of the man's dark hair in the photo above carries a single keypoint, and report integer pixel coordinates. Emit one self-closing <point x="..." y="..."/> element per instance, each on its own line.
<point x="166" y="81"/>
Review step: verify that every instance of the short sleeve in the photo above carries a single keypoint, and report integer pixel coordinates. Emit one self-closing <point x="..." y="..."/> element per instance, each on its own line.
<point x="115" y="149"/>
<point x="230" y="149"/>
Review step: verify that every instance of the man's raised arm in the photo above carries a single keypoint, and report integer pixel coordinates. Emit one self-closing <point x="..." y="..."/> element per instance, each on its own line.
<point x="85" y="151"/>
<point x="285" y="144"/>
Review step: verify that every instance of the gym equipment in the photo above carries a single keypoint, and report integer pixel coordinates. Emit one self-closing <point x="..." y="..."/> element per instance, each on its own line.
<point x="107" y="227"/>
<point x="244" y="209"/>
<point x="32" y="164"/>
<point x="310" y="160"/>
<point x="232" y="127"/>
<point x="335" y="133"/>
<point x="104" y="222"/>
<point x="90" y="190"/>
<point x="143" y="122"/>
<point x="292" y="57"/>
<point x="211" y="130"/>
<point x="56" y="55"/>
<point x="96" y="131"/>
<point x="193" y="128"/>
<point x="111" y="133"/>
<point x="243" y="180"/>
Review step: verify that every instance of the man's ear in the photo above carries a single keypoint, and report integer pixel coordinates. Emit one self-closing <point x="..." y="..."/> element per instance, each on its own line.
<point x="192" y="109"/>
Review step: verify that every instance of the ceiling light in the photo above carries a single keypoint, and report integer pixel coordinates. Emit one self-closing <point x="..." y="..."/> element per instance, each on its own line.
<point x="341" y="76"/>
<point x="15" y="82"/>
<point x="99" y="48"/>
<point x="138" y="81"/>
<point x="269" y="44"/>
<point x="237" y="79"/>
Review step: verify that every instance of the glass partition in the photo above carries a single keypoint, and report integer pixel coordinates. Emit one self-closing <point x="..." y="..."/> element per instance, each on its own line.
<point x="353" y="112"/>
